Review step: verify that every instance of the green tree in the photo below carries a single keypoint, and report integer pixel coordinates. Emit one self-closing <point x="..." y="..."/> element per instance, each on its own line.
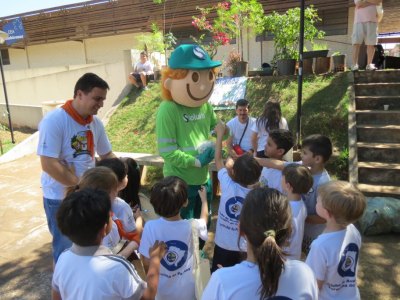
<point x="286" y="30"/>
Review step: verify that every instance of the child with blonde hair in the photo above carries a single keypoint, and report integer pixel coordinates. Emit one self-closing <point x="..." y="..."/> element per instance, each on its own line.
<point x="334" y="254"/>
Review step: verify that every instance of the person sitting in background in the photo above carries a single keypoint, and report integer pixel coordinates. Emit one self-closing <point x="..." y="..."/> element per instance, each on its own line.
<point x="239" y="140"/>
<point x="142" y="72"/>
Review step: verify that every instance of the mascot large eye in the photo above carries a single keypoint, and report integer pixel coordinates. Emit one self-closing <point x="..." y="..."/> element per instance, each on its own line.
<point x="211" y="75"/>
<point x="195" y="77"/>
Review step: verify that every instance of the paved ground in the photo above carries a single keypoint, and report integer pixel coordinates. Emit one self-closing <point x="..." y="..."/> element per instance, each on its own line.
<point x="25" y="250"/>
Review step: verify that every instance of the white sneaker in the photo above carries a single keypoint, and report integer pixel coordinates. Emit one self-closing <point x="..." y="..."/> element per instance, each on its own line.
<point x="370" y="67"/>
<point x="354" y="68"/>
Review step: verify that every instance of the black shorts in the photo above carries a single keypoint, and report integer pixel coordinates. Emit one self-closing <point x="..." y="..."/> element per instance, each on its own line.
<point x="139" y="80"/>
<point x="225" y="258"/>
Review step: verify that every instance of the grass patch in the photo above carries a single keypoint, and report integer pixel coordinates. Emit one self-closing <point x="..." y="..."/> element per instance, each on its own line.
<point x="324" y="110"/>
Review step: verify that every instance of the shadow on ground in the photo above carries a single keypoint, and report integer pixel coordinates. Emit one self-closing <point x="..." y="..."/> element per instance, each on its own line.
<point x="28" y="277"/>
<point x="379" y="269"/>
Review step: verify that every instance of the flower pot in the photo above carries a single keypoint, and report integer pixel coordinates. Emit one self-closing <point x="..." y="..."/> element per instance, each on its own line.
<point x="315" y="53"/>
<point x="308" y="66"/>
<point x="339" y="63"/>
<point x="242" y="69"/>
<point x="286" y="66"/>
<point x="322" y="65"/>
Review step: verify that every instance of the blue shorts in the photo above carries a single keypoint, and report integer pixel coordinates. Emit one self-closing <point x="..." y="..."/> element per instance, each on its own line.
<point x="60" y="242"/>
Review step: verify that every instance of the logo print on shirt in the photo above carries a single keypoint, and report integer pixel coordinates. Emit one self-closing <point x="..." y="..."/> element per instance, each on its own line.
<point x="233" y="207"/>
<point x="348" y="261"/>
<point x="79" y="144"/>
<point x="176" y="255"/>
<point x="193" y="117"/>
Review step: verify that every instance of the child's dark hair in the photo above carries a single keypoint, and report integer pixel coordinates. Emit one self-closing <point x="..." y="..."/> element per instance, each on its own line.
<point x="271" y="116"/>
<point x="299" y="177"/>
<point x="115" y="164"/>
<point x="82" y="214"/>
<point x="242" y="102"/>
<point x="131" y="192"/>
<point x="168" y="196"/>
<point x="318" y="145"/>
<point x="246" y="170"/>
<point x="266" y="222"/>
<point x="282" y="138"/>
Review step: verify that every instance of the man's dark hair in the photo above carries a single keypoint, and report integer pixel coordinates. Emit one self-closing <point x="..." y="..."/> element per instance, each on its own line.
<point x="116" y="165"/>
<point x="83" y="214"/>
<point x="89" y="81"/>
<point x="318" y="144"/>
<point x="282" y="138"/>
<point x="242" y="102"/>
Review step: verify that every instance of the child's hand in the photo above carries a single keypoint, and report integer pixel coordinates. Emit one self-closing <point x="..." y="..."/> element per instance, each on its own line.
<point x="158" y="250"/>
<point x="203" y="194"/>
<point x="137" y="213"/>
<point x="220" y="129"/>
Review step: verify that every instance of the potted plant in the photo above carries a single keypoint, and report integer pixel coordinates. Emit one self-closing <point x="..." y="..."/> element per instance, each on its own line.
<point x="339" y="62"/>
<point x="285" y="28"/>
<point x="234" y="18"/>
<point x="232" y="64"/>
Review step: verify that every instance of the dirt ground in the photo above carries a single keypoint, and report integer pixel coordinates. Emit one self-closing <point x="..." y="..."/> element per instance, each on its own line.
<point x="19" y="135"/>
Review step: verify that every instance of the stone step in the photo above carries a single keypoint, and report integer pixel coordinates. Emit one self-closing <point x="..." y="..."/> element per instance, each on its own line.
<point x="379" y="190"/>
<point x="377" y="89"/>
<point x="383" y="117"/>
<point x="377" y="102"/>
<point x="378" y="152"/>
<point x="378" y="133"/>
<point x="377" y="76"/>
<point x="379" y="173"/>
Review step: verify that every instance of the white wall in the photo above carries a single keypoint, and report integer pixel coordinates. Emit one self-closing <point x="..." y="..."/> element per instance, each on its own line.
<point x="94" y="50"/>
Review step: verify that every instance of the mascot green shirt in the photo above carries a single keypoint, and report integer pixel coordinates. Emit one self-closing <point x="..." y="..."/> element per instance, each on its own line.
<point x="185" y="119"/>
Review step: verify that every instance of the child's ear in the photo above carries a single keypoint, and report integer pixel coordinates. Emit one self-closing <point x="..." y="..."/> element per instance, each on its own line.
<point x="280" y="151"/>
<point x="319" y="159"/>
<point x="186" y="203"/>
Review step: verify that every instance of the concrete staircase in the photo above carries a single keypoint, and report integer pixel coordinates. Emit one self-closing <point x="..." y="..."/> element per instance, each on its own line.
<point x="374" y="135"/>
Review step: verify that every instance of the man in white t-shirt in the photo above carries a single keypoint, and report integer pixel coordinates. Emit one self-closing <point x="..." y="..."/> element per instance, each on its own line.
<point x="240" y="130"/>
<point x="365" y="30"/>
<point x="69" y="138"/>
<point x="142" y="72"/>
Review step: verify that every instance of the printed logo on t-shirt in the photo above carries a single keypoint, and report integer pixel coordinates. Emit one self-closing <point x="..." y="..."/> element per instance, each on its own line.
<point x="79" y="144"/>
<point x="176" y="255"/>
<point x="233" y="207"/>
<point x="193" y="117"/>
<point x="348" y="261"/>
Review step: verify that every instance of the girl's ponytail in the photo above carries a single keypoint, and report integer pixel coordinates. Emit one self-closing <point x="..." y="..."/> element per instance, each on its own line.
<point x="265" y="220"/>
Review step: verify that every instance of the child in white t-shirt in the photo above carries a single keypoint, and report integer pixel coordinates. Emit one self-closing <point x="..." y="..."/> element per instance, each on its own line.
<point x="104" y="178"/>
<point x="168" y="196"/>
<point x="89" y="270"/>
<point x="334" y="254"/>
<point x="129" y="227"/>
<point x="296" y="180"/>
<point x="279" y="142"/>
<point x="243" y="177"/>
<point x="265" y="222"/>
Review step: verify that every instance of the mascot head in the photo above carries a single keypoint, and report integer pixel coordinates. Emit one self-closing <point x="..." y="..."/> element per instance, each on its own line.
<point x="189" y="78"/>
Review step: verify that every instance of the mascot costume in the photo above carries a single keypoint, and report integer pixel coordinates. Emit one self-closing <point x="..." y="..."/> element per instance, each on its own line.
<point x="185" y="120"/>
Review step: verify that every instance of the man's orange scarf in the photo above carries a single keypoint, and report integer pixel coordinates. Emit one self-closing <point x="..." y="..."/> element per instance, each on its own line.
<point x="78" y="118"/>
